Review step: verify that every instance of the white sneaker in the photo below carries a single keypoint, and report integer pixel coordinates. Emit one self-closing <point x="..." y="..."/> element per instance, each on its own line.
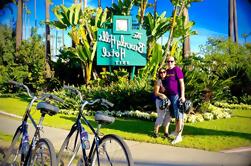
<point x="173" y="134"/>
<point x="176" y="140"/>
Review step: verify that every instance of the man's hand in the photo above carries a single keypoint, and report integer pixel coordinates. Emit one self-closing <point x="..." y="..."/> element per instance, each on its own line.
<point x="182" y="99"/>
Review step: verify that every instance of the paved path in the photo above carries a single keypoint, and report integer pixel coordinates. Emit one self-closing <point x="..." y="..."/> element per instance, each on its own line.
<point x="146" y="154"/>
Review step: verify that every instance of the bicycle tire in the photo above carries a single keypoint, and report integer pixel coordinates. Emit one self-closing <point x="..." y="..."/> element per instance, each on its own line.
<point x="113" y="151"/>
<point x="13" y="154"/>
<point x="68" y="152"/>
<point x="44" y="154"/>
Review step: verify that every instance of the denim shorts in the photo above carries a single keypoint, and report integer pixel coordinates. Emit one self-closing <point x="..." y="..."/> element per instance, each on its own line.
<point x="174" y="107"/>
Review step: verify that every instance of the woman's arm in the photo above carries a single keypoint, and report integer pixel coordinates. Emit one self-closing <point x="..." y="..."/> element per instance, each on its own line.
<point x="157" y="91"/>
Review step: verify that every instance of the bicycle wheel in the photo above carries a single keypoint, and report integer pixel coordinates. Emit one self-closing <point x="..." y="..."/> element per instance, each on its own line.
<point x="12" y="156"/>
<point x="112" y="151"/>
<point x="44" y="154"/>
<point x="68" y="153"/>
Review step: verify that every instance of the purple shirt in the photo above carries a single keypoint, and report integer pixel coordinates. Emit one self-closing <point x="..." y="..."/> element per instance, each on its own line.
<point x="171" y="82"/>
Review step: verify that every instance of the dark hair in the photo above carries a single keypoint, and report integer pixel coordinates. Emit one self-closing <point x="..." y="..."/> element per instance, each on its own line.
<point x="161" y="69"/>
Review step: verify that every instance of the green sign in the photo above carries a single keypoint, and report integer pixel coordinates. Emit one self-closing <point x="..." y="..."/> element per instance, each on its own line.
<point x="121" y="49"/>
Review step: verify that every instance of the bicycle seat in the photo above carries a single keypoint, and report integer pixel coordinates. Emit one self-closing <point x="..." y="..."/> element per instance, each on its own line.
<point x="102" y="118"/>
<point x="47" y="108"/>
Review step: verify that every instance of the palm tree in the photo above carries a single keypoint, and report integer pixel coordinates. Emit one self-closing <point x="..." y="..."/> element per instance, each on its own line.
<point x="5" y="4"/>
<point x="245" y="36"/>
<point x="232" y="21"/>
<point x="85" y="3"/>
<point x="35" y="12"/>
<point x="19" y="25"/>
<point x="99" y="3"/>
<point x="235" y="22"/>
<point x="47" y="37"/>
<point x="63" y="30"/>
<point x="186" y="43"/>
<point x="155" y="9"/>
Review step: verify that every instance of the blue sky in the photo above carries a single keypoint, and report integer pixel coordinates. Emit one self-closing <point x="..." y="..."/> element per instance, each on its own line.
<point x="210" y="17"/>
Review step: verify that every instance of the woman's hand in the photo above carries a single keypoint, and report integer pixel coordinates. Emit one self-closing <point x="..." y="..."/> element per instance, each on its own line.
<point x="162" y="96"/>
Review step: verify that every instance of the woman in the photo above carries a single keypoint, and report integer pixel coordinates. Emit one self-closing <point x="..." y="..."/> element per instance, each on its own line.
<point x="163" y="114"/>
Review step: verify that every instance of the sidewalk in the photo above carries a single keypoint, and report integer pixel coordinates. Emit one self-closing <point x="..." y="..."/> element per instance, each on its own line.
<point x="146" y="154"/>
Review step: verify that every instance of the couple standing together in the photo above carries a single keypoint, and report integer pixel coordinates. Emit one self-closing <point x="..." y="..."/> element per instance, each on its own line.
<point x="170" y="85"/>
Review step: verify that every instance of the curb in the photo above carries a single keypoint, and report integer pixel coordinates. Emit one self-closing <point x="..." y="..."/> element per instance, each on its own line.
<point x="11" y="115"/>
<point x="238" y="150"/>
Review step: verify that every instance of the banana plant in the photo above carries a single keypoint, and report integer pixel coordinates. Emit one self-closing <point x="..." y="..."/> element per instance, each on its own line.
<point x="178" y="27"/>
<point x="155" y="28"/>
<point x="122" y="7"/>
<point x="82" y="26"/>
<point x="152" y="66"/>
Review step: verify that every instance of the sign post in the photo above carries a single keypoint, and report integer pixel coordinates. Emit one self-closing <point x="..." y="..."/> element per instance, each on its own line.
<point x="122" y="45"/>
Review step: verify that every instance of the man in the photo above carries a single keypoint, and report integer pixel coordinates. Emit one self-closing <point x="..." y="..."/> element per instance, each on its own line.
<point x="175" y="90"/>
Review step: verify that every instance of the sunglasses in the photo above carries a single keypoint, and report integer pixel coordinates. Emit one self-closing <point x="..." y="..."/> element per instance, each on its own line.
<point x="170" y="61"/>
<point x="162" y="72"/>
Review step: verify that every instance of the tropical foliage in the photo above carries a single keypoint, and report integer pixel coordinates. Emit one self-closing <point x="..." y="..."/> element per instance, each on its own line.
<point x="24" y="65"/>
<point x="83" y="26"/>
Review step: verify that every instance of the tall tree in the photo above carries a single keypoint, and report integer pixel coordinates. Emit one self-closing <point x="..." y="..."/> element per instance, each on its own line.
<point x="47" y="37"/>
<point x="35" y="12"/>
<point x="85" y="3"/>
<point x="232" y="21"/>
<point x="19" y="25"/>
<point x="99" y="3"/>
<point x="235" y="23"/>
<point x="63" y="30"/>
<point x="155" y="9"/>
<point x="5" y="4"/>
<point x="186" y="42"/>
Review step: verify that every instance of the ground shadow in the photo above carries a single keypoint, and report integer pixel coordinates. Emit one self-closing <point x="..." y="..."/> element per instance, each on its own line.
<point x="146" y="127"/>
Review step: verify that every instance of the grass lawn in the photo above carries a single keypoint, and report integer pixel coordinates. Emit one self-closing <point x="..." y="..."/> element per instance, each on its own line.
<point x="214" y="135"/>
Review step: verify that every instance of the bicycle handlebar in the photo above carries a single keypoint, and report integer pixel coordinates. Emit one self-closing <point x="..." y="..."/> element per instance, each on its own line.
<point x="102" y="101"/>
<point x="21" y="85"/>
<point x="74" y="91"/>
<point x="51" y="96"/>
<point x="43" y="97"/>
<point x="107" y="102"/>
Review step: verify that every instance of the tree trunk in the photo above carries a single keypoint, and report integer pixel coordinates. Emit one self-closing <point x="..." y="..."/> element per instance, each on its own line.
<point x="235" y="22"/>
<point x="19" y="25"/>
<point x="63" y="30"/>
<point x="155" y="9"/>
<point x="99" y="3"/>
<point x="186" y="43"/>
<point x="24" y="21"/>
<point x="170" y="38"/>
<point x="47" y="34"/>
<point x="85" y="3"/>
<point x="35" y="12"/>
<point x="230" y="20"/>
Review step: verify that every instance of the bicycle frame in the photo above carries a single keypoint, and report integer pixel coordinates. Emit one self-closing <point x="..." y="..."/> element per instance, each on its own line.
<point x="37" y="127"/>
<point x="26" y="116"/>
<point x="78" y="126"/>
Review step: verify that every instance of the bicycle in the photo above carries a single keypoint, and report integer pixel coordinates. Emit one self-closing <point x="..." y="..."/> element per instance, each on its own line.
<point x="109" y="149"/>
<point x="40" y="151"/>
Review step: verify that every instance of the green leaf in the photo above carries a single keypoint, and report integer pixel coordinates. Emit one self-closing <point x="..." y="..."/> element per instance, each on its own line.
<point x="59" y="25"/>
<point x="78" y="12"/>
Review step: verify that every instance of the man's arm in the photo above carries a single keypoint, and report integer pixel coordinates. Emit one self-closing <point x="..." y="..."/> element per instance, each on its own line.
<point x="182" y="90"/>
